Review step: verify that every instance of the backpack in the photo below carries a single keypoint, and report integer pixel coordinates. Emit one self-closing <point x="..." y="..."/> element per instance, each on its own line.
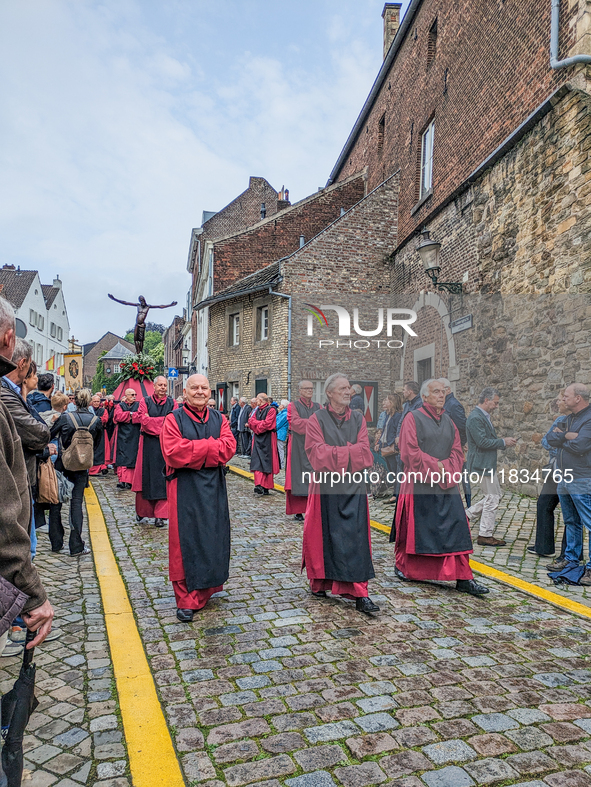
<point x="79" y="455"/>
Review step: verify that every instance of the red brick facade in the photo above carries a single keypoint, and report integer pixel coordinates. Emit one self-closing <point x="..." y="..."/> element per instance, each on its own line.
<point x="489" y="70"/>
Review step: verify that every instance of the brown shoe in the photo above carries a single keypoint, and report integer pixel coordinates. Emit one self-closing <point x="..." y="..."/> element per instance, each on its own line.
<point x="489" y="541"/>
<point x="586" y="578"/>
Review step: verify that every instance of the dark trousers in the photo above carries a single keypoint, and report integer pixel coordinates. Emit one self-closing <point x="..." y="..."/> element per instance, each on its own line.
<point x="245" y="443"/>
<point x="80" y="481"/>
<point x="545" y="525"/>
<point x="236" y="434"/>
<point x="56" y="531"/>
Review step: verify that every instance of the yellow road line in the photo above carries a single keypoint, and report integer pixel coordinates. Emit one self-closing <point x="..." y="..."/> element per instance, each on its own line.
<point x="485" y="570"/>
<point x="152" y="758"/>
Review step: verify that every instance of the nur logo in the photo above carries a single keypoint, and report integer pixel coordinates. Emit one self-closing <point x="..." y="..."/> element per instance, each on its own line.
<point x="403" y="318"/>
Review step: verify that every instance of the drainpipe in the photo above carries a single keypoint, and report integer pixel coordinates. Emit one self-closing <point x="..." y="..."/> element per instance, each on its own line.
<point x="555" y="63"/>
<point x="288" y="297"/>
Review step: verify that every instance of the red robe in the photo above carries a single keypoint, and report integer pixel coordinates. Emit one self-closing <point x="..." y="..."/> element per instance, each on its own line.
<point x="195" y="454"/>
<point x="259" y="428"/>
<point x="445" y="567"/>
<point x="147" y="508"/>
<point x="124" y="474"/>
<point x="323" y="457"/>
<point x="294" y="504"/>
<point x="96" y="469"/>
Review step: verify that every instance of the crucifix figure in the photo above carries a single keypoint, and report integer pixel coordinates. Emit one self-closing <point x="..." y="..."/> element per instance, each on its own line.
<point x="140" y="321"/>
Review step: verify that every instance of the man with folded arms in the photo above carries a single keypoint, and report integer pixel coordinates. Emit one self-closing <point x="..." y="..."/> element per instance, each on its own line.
<point x="127" y="438"/>
<point x="264" y="460"/>
<point x="433" y="538"/>
<point x="196" y="443"/>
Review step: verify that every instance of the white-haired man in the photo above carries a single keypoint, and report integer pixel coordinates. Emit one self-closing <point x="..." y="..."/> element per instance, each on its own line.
<point x="337" y="543"/>
<point x="433" y="538"/>
<point x="127" y="437"/>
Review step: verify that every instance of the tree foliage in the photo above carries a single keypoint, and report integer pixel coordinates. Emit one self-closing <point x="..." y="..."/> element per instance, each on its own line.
<point x="153" y="344"/>
<point x="103" y="380"/>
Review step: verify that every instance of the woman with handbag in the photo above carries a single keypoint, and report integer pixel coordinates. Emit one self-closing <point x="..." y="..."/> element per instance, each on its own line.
<point x="387" y="442"/>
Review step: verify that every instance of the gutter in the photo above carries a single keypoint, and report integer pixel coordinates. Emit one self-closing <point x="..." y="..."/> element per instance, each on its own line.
<point x="229" y="296"/>
<point x="288" y="297"/>
<point x="376" y="87"/>
<point x="555" y="63"/>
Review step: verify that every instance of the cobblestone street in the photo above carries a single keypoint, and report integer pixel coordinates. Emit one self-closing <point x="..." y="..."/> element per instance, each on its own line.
<point x="271" y="686"/>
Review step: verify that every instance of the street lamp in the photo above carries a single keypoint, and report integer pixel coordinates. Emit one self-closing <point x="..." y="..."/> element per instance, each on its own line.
<point x="429" y="251"/>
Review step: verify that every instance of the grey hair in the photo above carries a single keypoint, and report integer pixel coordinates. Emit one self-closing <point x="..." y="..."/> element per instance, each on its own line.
<point x="331" y="380"/>
<point x="303" y="382"/>
<point x="82" y="397"/>
<point x="425" y="386"/>
<point x="7" y="317"/>
<point x="242" y="399"/>
<point x="357" y="388"/>
<point x="581" y="390"/>
<point x="284" y="402"/>
<point x="488" y="393"/>
<point x="22" y="351"/>
<point x="445" y="381"/>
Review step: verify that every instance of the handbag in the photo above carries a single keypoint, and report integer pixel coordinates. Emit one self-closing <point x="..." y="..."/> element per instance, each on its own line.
<point x="389" y="450"/>
<point x="65" y="487"/>
<point x="47" y="488"/>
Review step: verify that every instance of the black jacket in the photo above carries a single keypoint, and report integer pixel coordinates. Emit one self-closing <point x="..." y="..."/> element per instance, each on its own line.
<point x="456" y="412"/>
<point x="234" y="413"/>
<point x="64" y="429"/>
<point x="356" y="402"/>
<point x="31" y="428"/>
<point x="574" y="455"/>
<point x="39" y="401"/>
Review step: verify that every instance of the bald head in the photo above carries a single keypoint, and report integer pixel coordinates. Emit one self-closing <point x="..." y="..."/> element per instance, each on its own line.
<point x="197" y="391"/>
<point x="130" y="396"/>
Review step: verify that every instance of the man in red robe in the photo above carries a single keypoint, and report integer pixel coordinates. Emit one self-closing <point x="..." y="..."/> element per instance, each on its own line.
<point x="298" y="413"/>
<point x="100" y="460"/>
<point x="109" y="430"/>
<point x="149" y="482"/>
<point x="264" y="460"/>
<point x="433" y="538"/>
<point x="337" y="542"/>
<point x="126" y="438"/>
<point x="196" y="443"/>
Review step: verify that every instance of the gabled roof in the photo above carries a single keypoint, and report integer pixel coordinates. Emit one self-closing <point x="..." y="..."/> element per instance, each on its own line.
<point x="15" y="285"/>
<point x="116" y="353"/>
<point x="49" y="293"/>
<point x="264" y="279"/>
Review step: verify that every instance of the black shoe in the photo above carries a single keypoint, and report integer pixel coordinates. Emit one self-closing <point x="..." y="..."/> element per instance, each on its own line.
<point x="121" y="485"/>
<point x="159" y="523"/>
<point x="128" y="486"/>
<point x="258" y="490"/>
<point x="184" y="615"/>
<point x="138" y="518"/>
<point x="532" y="551"/>
<point x="105" y="471"/>
<point x="299" y="517"/>
<point x="320" y="594"/>
<point x="400" y="575"/>
<point x="366" y="605"/>
<point x="265" y="491"/>
<point x="472" y="587"/>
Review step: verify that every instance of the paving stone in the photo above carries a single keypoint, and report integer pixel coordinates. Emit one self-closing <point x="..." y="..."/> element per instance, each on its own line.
<point x="197" y="767"/>
<point x="303" y="701"/>
<point x="567" y="711"/>
<point x="109" y="770"/>
<point x="411" y="737"/>
<point x="253" y="682"/>
<point x="319" y="757"/>
<point x="189" y="739"/>
<point x="71" y="737"/>
<point x="531" y="762"/>
<point x="528" y="715"/>
<point x="495" y="722"/>
<point x="238" y="775"/>
<point x="376" y="722"/>
<point x="530" y="738"/>
<point x="63" y="763"/>
<point x="378" y="687"/>
<point x="369" y="745"/>
<point x="284" y="742"/>
<point x="457" y="728"/>
<point x="376" y="704"/>
<point x="568" y="779"/>
<point x="569" y="756"/>
<point x="413" y="716"/>
<point x="404" y="763"/>
<point x="360" y="775"/>
<point x="238" y="698"/>
<point x="491" y="771"/>
<point x="330" y="732"/>
<point x="42" y="753"/>
<point x="316" y="779"/>
<point x="293" y="721"/>
<point x="231" y="732"/>
<point x="564" y="732"/>
<point x="239" y="750"/>
<point x="452" y="776"/>
<point x="449" y="751"/>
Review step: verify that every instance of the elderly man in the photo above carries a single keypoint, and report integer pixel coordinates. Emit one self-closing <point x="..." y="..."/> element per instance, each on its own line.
<point x="298" y="415"/>
<point x="235" y="409"/>
<point x="264" y="461"/>
<point x="149" y="482"/>
<point x="196" y="443"/>
<point x="572" y="439"/>
<point x="127" y="438"/>
<point x="100" y="459"/>
<point x="432" y="533"/>
<point x="15" y="511"/>
<point x="337" y="543"/>
<point x="412" y="401"/>
<point x="483" y="446"/>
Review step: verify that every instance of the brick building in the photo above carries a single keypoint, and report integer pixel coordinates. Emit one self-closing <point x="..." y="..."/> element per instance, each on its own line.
<point x="93" y="351"/>
<point x="176" y="354"/>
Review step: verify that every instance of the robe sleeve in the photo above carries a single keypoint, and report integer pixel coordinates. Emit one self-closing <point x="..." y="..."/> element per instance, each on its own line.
<point x="121" y="416"/>
<point x="296" y="422"/>
<point x="333" y="458"/>
<point x="267" y="425"/>
<point x="105" y="417"/>
<point x="196" y="454"/>
<point x="418" y="461"/>
<point x="150" y="425"/>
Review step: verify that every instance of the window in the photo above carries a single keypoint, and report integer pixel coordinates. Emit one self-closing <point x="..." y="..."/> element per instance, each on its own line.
<point x="234" y="330"/>
<point x="260" y="386"/>
<point x="52" y="330"/>
<point x="262" y="323"/>
<point x="60" y="334"/>
<point x="381" y="134"/>
<point x="39" y="355"/>
<point x="427" y="159"/>
<point x="40" y="322"/>
<point x="234" y="389"/>
<point x="32" y="317"/>
<point x="423" y="370"/>
<point x="432" y="43"/>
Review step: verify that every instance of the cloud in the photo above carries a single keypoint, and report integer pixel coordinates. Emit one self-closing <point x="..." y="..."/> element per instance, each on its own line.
<point x="121" y="121"/>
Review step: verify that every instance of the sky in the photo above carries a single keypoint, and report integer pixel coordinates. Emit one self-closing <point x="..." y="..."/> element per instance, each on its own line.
<point x="122" y="120"/>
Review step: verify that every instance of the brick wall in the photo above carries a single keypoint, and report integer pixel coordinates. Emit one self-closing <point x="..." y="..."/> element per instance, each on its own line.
<point x="105" y="343"/>
<point x="489" y="73"/>
<point x="173" y="354"/>
<point x="279" y="236"/>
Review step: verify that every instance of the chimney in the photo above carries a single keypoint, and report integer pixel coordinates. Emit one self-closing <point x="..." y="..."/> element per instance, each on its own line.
<point x="391" y="17"/>
<point x="57" y="282"/>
